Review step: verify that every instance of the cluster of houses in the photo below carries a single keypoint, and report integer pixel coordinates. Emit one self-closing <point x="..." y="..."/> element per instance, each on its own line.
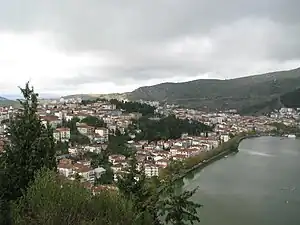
<point x="151" y="156"/>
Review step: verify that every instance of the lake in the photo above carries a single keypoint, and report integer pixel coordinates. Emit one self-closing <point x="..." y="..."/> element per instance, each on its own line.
<point x="259" y="185"/>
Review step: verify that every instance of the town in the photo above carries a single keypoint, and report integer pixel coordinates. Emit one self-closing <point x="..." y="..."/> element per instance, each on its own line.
<point x="95" y="139"/>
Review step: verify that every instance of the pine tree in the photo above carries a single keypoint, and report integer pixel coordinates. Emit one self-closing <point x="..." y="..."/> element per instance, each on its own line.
<point x="30" y="147"/>
<point x="177" y="208"/>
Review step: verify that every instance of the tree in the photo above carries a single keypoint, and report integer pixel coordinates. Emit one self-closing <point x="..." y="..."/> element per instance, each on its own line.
<point x="51" y="199"/>
<point x="134" y="185"/>
<point x="93" y="121"/>
<point x="177" y="208"/>
<point x="168" y="127"/>
<point x="61" y="147"/>
<point x="145" y="193"/>
<point x="30" y="146"/>
<point x="106" y="178"/>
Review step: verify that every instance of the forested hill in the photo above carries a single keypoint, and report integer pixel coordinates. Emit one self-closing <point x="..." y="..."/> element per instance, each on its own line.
<point x="291" y="99"/>
<point x="240" y="93"/>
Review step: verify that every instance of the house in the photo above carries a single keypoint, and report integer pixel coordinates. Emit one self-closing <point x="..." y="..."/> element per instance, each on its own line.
<point x="151" y="170"/>
<point x="102" y="131"/>
<point x="85" y="129"/>
<point x="62" y="134"/>
<point x="114" y="159"/>
<point x="86" y="172"/>
<point x="179" y="157"/>
<point x="52" y="120"/>
<point x="117" y="168"/>
<point x="56" y="135"/>
<point x="162" y="163"/>
<point x="99" y="188"/>
<point x="93" y="148"/>
<point x="69" y="117"/>
<point x="99" y="171"/>
<point x="2" y="128"/>
<point x="1" y="146"/>
<point x="99" y="139"/>
<point x="65" y="167"/>
<point x="224" y="137"/>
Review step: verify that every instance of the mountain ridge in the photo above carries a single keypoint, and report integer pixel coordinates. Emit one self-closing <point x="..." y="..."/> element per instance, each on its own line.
<point x="259" y="91"/>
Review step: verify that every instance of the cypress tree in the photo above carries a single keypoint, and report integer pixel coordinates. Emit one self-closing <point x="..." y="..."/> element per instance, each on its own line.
<point x="29" y="148"/>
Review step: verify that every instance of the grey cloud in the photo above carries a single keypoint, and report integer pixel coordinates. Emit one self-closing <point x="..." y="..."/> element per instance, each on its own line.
<point x="139" y="32"/>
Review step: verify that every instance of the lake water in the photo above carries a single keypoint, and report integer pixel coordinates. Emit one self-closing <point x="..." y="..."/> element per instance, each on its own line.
<point x="260" y="185"/>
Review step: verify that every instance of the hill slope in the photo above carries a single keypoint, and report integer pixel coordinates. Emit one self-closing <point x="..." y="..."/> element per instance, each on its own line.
<point x="95" y="96"/>
<point x="240" y="93"/>
<point x="7" y="102"/>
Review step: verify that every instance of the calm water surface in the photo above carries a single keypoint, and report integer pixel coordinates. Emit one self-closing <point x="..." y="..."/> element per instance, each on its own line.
<point x="260" y="185"/>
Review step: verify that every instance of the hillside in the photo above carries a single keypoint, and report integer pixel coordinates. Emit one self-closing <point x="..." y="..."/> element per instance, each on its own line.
<point x="240" y="93"/>
<point x="291" y="99"/>
<point x="7" y="102"/>
<point x="95" y="96"/>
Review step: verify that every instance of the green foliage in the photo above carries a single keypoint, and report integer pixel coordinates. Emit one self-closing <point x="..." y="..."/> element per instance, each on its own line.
<point x="106" y="178"/>
<point x="291" y="99"/>
<point x="231" y="135"/>
<point x="168" y="128"/>
<point x="118" y="145"/>
<point x="91" y="101"/>
<point x="61" y="147"/>
<point x="131" y="107"/>
<point x="93" y="121"/>
<point x="51" y="200"/>
<point x="263" y="107"/>
<point x="30" y="146"/>
<point x="79" y="139"/>
<point x="76" y="137"/>
<point x="98" y="159"/>
<point x="146" y="196"/>
<point x="178" y="209"/>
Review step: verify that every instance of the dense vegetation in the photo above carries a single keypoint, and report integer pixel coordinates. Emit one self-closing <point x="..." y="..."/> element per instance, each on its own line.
<point x="76" y="136"/>
<point x="93" y="121"/>
<point x="291" y="99"/>
<point x="146" y="195"/>
<point x="131" y="107"/>
<point x="52" y="200"/>
<point x="31" y="192"/>
<point x="234" y="93"/>
<point x="118" y="144"/>
<point x="168" y="127"/>
<point x="262" y="108"/>
<point x="30" y="148"/>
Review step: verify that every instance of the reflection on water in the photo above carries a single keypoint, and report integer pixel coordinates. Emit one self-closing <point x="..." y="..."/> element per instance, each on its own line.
<point x="259" y="185"/>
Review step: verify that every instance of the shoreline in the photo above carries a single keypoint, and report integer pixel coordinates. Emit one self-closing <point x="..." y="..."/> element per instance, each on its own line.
<point x="234" y="143"/>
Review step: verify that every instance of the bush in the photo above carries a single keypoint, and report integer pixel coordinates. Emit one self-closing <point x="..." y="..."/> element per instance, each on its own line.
<point x="52" y="200"/>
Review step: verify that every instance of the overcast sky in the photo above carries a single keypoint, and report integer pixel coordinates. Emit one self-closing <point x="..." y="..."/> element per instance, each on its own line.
<point x="102" y="46"/>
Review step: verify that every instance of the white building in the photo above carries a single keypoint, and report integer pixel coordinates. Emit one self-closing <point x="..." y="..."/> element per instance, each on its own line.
<point x="151" y="170"/>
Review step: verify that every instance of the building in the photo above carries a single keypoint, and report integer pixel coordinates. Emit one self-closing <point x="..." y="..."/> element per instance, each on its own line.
<point x="151" y="170"/>
<point x="85" y="129"/>
<point x="62" y="134"/>
<point x="102" y="132"/>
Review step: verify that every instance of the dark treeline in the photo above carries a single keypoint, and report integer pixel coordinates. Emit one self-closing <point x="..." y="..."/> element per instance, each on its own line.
<point x="93" y="121"/>
<point x="91" y="101"/>
<point x="168" y="127"/>
<point x="131" y="107"/>
<point x="128" y="107"/>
